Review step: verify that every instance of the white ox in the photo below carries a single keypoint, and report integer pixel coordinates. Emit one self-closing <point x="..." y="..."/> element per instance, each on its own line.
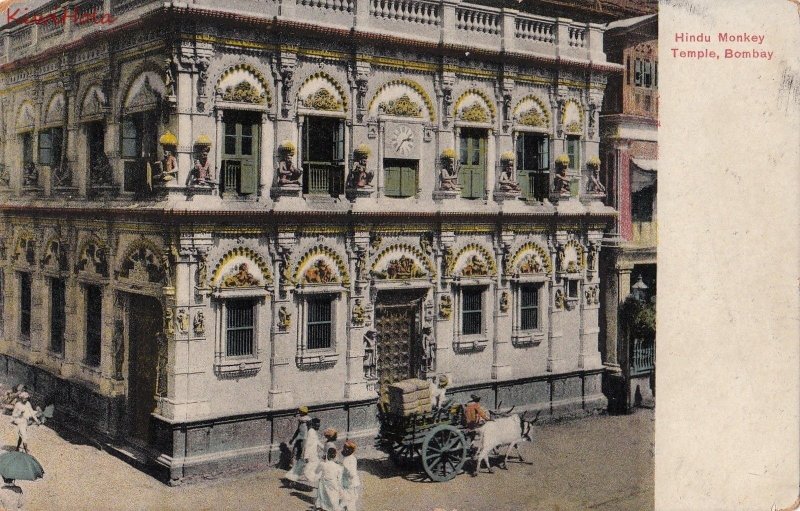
<point x="508" y="431"/>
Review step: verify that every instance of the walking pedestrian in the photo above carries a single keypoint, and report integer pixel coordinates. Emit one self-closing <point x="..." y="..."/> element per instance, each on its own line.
<point x="329" y="490"/>
<point x="11" y="498"/>
<point x="351" y="483"/>
<point x="330" y="435"/>
<point x="296" y="444"/>
<point x="22" y="413"/>
<point x="311" y="448"/>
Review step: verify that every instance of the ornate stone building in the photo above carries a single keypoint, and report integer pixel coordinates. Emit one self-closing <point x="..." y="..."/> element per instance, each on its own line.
<point x="213" y="215"/>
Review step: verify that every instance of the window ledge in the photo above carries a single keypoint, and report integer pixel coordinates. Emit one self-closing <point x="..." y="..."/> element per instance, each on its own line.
<point x="527" y="339"/>
<point x="232" y="368"/>
<point x="470" y="344"/>
<point x="322" y="360"/>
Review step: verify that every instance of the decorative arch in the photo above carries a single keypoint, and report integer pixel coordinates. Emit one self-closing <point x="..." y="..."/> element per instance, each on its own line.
<point x="94" y="101"/>
<point x="402" y="261"/>
<point x="403" y="98"/>
<point x="243" y="83"/>
<point x="529" y="259"/>
<point x="320" y="265"/>
<point x="571" y="257"/>
<point x="55" y="255"/>
<point x="25" y="247"/>
<point x="26" y="119"/>
<point x="321" y="91"/>
<point x="474" y="105"/>
<point x="143" y="261"/>
<point x="54" y="115"/>
<point x="92" y="257"/>
<point x="473" y="261"/>
<point x="144" y="92"/>
<point x="572" y="117"/>
<point x="241" y="267"/>
<point x="531" y="111"/>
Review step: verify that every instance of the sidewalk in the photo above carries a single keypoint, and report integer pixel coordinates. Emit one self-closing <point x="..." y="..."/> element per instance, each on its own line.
<point x="603" y="463"/>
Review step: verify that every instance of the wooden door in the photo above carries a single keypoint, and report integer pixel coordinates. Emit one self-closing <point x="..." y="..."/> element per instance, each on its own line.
<point x="144" y="322"/>
<point x="397" y="320"/>
<point x="472" y="171"/>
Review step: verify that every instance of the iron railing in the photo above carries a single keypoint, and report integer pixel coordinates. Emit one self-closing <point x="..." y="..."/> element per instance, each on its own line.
<point x="642" y="356"/>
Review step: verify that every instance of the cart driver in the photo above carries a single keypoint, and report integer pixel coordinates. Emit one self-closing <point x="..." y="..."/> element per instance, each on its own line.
<point x="475" y="414"/>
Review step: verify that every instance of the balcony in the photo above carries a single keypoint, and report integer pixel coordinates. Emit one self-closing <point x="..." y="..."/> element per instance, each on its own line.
<point x="450" y="22"/>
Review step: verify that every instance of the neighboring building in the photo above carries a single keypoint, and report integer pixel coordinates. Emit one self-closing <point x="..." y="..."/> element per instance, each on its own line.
<point x="629" y="123"/>
<point x="352" y="193"/>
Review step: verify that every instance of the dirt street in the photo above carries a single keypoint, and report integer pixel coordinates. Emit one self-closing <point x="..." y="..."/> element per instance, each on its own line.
<point x="599" y="463"/>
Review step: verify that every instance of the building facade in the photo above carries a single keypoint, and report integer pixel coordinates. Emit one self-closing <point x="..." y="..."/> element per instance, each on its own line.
<point x="211" y="216"/>
<point x="629" y="147"/>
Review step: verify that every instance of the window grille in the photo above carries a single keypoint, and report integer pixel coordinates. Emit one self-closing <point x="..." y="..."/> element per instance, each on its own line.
<point x="472" y="311"/>
<point x="25" y="304"/>
<point x="57" y="315"/>
<point x="529" y="307"/>
<point x="319" y="323"/>
<point x="94" y="313"/>
<point x="533" y="164"/>
<point x="240" y="331"/>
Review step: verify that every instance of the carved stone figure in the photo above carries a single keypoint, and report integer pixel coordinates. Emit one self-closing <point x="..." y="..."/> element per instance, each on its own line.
<point x="504" y="301"/>
<point x="428" y="349"/>
<point x="288" y="173"/>
<point x="361" y="265"/>
<point x="30" y="174"/>
<point x="370" y="354"/>
<point x="169" y="326"/>
<point x="562" y="180"/>
<point x="531" y="264"/>
<point x="169" y="78"/>
<point x="241" y="278"/>
<point x="5" y="176"/>
<point x="591" y="257"/>
<point x="594" y="185"/>
<point x="402" y="268"/>
<point x="448" y="177"/>
<point x="445" y="307"/>
<point x="284" y="318"/>
<point x="475" y="267"/>
<point x="507" y="181"/>
<point x="560" y="299"/>
<point x="182" y="321"/>
<point x="199" y="323"/>
<point x="201" y="174"/>
<point x="319" y="273"/>
<point x="425" y="243"/>
<point x="562" y="258"/>
<point x="360" y="176"/>
<point x="359" y="313"/>
<point x="168" y="166"/>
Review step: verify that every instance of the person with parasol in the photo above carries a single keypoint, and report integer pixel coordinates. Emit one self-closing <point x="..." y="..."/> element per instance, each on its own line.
<point x="16" y="466"/>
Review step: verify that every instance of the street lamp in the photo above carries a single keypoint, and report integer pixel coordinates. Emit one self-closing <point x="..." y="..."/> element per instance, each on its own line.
<point x="640" y="290"/>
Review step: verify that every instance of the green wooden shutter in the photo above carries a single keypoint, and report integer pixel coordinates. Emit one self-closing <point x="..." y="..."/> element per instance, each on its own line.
<point x="408" y="181"/>
<point x="393" y="181"/>
<point x="248" y="179"/>
<point x="525" y="183"/>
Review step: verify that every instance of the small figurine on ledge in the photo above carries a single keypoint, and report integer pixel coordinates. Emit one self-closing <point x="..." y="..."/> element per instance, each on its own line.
<point x="168" y="166"/>
<point x="359" y="176"/>
<point x="288" y="174"/>
<point x="506" y="181"/>
<point x="201" y="172"/>
<point x="448" y="178"/>
<point x="562" y="180"/>
<point x="30" y="174"/>
<point x="594" y="185"/>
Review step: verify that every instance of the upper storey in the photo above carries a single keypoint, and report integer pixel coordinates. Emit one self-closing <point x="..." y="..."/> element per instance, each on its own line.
<point x="453" y="24"/>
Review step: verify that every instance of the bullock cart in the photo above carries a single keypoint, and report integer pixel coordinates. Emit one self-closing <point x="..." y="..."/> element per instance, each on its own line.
<point x="415" y="434"/>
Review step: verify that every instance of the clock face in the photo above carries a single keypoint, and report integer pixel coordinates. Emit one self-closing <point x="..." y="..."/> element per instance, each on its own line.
<point x="402" y="140"/>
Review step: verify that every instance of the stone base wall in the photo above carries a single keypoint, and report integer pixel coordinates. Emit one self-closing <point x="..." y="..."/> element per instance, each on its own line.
<point x="182" y="451"/>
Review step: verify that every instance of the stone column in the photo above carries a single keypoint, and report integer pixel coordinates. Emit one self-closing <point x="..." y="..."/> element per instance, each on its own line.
<point x="618" y="286"/>
<point x="501" y="348"/>
<point x="283" y="335"/>
<point x="359" y="319"/>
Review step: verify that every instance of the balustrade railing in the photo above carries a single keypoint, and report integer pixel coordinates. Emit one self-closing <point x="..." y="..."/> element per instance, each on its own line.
<point x="324" y="179"/>
<point x="535" y="30"/>
<point x="414" y="11"/>
<point x="474" y="20"/>
<point x="577" y="37"/>
<point x="642" y="356"/>
<point x="332" y="5"/>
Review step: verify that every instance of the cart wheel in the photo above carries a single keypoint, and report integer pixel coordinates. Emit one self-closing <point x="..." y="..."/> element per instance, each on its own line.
<point x="402" y="454"/>
<point x="444" y="452"/>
